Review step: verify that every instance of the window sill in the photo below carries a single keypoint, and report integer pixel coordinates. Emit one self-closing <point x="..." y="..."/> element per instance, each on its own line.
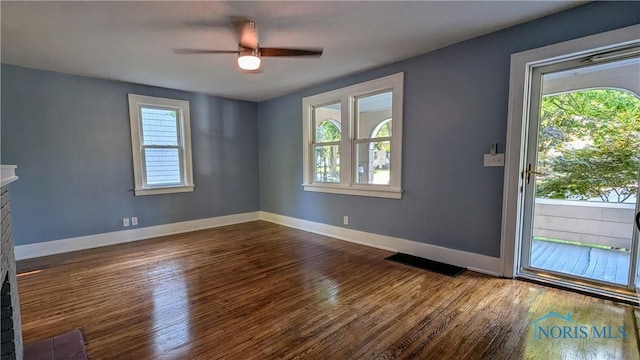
<point x="164" y="190"/>
<point x="380" y="192"/>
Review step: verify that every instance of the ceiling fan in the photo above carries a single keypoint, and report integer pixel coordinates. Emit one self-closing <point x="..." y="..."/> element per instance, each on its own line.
<point x="249" y="52"/>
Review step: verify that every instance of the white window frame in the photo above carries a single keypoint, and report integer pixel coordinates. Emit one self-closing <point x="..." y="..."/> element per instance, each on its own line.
<point x="347" y="97"/>
<point x="136" y="102"/>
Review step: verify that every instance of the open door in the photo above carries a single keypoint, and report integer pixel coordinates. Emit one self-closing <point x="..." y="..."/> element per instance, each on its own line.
<point x="581" y="174"/>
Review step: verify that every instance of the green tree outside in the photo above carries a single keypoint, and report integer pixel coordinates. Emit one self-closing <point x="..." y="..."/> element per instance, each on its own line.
<point x="589" y="145"/>
<point x="327" y="168"/>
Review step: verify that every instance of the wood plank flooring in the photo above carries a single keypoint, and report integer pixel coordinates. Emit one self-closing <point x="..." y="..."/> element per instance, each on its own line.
<point x="262" y="291"/>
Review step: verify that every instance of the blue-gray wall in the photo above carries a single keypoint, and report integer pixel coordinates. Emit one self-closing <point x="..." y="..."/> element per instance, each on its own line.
<point x="70" y="137"/>
<point x="455" y="105"/>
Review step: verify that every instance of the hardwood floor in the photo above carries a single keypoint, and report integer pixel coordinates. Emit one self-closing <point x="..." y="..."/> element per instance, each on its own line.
<point x="263" y="291"/>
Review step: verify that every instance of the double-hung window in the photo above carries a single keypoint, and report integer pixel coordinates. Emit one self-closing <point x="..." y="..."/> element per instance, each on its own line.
<point x="161" y="145"/>
<point x="353" y="139"/>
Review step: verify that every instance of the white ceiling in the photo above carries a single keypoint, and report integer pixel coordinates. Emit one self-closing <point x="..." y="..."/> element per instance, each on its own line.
<point x="132" y="41"/>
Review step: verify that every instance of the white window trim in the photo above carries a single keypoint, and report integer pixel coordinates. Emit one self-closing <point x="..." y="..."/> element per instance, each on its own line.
<point x="522" y="65"/>
<point x="182" y="107"/>
<point x="346" y="98"/>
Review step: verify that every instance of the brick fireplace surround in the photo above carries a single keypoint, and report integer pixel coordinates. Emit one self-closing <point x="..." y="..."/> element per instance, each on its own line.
<point x="11" y="340"/>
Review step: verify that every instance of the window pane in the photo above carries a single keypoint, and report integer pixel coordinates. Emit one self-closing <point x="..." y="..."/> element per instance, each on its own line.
<point x="327" y="123"/>
<point x="159" y="126"/>
<point x="162" y="166"/>
<point x="374" y="115"/>
<point x="382" y="130"/>
<point x="373" y="162"/>
<point x="327" y="163"/>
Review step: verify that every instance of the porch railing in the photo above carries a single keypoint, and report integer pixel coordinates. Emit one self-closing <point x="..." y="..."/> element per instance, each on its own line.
<point x="609" y="224"/>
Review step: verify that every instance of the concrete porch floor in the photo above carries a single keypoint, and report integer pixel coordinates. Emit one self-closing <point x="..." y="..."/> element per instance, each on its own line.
<point x="589" y="262"/>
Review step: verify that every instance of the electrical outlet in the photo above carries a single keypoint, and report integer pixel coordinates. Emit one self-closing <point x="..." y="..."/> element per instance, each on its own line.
<point x="125" y="222"/>
<point x="134" y="221"/>
<point x="493" y="160"/>
<point x="345" y="220"/>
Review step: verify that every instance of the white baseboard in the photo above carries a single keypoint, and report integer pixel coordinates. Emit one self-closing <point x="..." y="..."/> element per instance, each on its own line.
<point x="116" y="237"/>
<point x="475" y="262"/>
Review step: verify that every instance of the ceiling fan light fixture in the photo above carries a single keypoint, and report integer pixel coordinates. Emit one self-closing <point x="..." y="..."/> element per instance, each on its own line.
<point x="249" y="53"/>
<point x="249" y="59"/>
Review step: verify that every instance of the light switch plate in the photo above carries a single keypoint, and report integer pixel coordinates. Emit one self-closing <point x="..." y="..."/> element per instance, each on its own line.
<point x="493" y="160"/>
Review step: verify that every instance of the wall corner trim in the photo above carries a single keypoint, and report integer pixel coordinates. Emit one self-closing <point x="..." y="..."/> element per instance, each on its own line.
<point x="123" y="236"/>
<point x="474" y="262"/>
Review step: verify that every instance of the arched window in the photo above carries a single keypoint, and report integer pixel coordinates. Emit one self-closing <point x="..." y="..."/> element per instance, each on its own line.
<point x="328" y="130"/>
<point x="355" y="159"/>
<point x="383" y="129"/>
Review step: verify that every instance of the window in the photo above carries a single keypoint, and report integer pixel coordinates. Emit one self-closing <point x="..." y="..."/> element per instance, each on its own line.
<point x="161" y="145"/>
<point x="353" y="139"/>
<point x="326" y="144"/>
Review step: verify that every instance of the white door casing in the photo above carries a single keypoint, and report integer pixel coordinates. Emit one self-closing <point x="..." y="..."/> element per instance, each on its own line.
<point x="522" y="65"/>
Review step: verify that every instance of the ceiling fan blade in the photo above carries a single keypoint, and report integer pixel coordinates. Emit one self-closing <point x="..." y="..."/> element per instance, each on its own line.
<point x="290" y="52"/>
<point x="202" y="51"/>
<point x="247" y="33"/>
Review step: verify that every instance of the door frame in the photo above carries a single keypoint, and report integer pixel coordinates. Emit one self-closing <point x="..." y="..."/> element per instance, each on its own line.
<point x="522" y="65"/>
<point x="526" y="269"/>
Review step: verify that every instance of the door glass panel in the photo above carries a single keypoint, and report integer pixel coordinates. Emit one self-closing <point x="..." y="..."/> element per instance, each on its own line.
<point x="584" y="173"/>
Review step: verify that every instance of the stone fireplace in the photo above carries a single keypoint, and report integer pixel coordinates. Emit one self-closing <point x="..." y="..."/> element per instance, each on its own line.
<point x="11" y="339"/>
